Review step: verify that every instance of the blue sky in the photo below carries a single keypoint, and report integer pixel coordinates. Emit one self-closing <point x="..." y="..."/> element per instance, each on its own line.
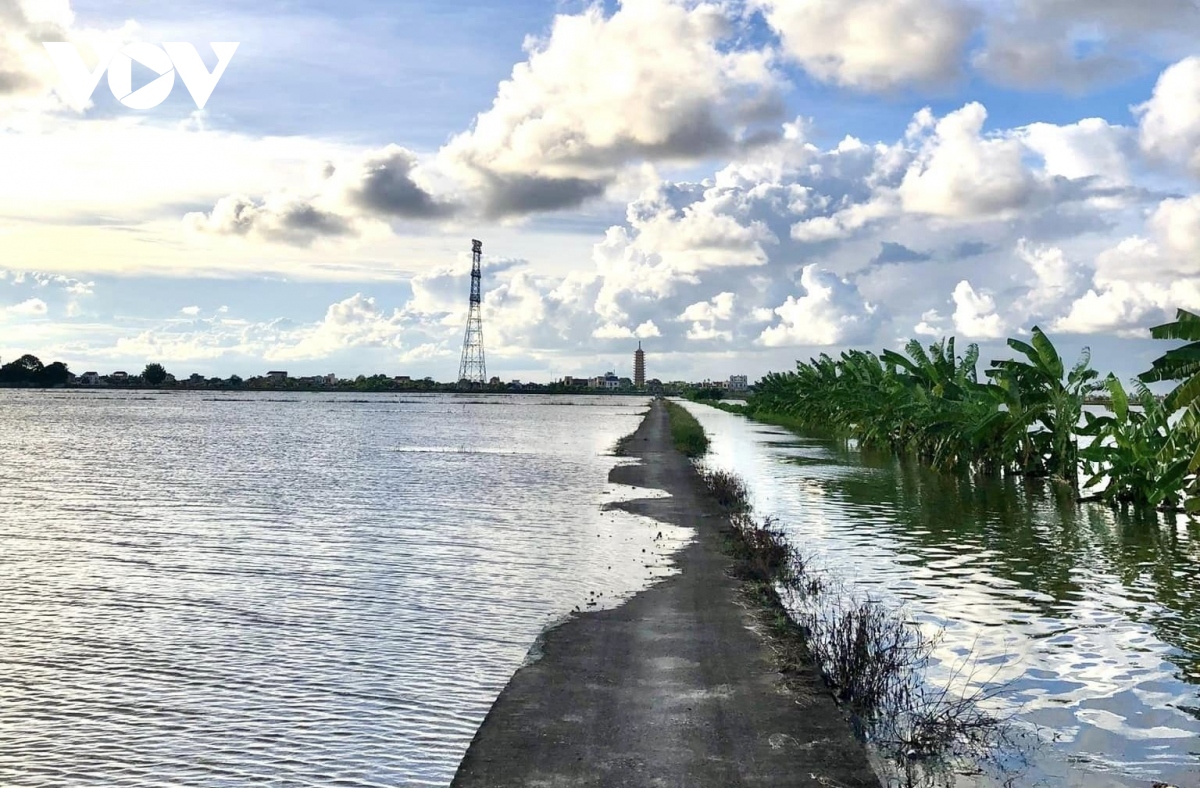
<point x="735" y="184"/>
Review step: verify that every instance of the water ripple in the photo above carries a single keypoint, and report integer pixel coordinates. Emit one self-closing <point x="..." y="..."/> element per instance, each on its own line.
<point x="312" y="590"/>
<point x="1090" y="619"/>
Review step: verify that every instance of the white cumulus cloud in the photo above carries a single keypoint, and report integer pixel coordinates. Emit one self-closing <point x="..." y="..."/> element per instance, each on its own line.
<point x="831" y="312"/>
<point x="558" y="132"/>
<point x="975" y="313"/>
<point x="962" y="173"/>
<point x="874" y="44"/>
<point x="1169" y="123"/>
<point x="32" y="307"/>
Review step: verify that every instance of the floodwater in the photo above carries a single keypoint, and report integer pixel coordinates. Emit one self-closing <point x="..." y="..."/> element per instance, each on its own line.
<point x="1086" y="619"/>
<point x="290" y="589"/>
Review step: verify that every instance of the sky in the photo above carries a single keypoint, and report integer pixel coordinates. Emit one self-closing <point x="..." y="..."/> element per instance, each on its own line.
<point x="736" y="184"/>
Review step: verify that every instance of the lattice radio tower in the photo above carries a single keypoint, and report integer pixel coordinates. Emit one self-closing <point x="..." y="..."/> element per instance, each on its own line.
<point x="473" y="370"/>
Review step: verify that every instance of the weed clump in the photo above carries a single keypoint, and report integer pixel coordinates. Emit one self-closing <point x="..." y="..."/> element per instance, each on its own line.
<point x="763" y="549"/>
<point x="862" y="649"/>
<point x="621" y="447"/>
<point x="727" y="489"/>
<point x="873" y="659"/>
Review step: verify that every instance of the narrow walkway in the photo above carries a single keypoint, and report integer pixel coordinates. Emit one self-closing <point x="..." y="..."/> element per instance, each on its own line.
<point x="671" y="689"/>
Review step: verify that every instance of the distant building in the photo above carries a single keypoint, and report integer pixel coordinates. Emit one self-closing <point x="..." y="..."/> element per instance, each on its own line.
<point x="89" y="379"/>
<point x="119" y="377"/>
<point x="403" y="379"/>
<point x="277" y="375"/>
<point x="331" y="379"/>
<point x="197" y="379"/>
<point x="608" y="380"/>
<point x="738" y="383"/>
<point x="639" y="367"/>
<point x="495" y="381"/>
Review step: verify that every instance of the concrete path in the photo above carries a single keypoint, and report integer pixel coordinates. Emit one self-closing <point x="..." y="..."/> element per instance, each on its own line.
<point x="674" y="688"/>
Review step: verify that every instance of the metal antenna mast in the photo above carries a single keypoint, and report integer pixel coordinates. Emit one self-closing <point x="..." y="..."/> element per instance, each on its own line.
<point x="473" y="370"/>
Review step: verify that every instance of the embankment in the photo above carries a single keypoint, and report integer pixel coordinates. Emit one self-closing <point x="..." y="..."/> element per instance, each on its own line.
<point x="677" y="687"/>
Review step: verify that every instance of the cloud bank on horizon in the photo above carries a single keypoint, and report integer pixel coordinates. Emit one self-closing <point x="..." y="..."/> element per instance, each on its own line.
<point x="737" y="184"/>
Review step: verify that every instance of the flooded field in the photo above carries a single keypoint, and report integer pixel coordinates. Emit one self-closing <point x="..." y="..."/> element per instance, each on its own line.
<point x="294" y="590"/>
<point x="1088" y="619"/>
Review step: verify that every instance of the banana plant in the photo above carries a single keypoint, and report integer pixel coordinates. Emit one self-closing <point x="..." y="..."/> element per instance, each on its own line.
<point x="1183" y="365"/>
<point x="1055" y="398"/>
<point x="1024" y="418"/>
<point x="1136" y="456"/>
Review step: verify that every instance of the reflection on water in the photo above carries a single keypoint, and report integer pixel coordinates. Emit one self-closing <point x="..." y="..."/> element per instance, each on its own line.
<point x="289" y="590"/>
<point x="1091" y="618"/>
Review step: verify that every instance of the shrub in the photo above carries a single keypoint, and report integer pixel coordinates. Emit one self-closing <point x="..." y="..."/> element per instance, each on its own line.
<point x="727" y="489"/>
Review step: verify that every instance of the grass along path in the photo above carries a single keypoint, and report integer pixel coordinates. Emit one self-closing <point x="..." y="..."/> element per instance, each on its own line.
<point x="686" y="433"/>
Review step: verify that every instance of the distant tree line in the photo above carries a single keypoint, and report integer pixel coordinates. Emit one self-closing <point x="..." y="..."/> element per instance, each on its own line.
<point x="29" y="371"/>
<point x="703" y="394"/>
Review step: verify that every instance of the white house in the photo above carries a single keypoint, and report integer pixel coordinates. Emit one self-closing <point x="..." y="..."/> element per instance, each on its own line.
<point x="89" y="379"/>
<point x="738" y="383"/>
<point x="608" y="381"/>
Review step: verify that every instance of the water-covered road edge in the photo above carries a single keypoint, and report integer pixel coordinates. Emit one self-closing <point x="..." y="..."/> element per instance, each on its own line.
<point x="673" y="686"/>
<point x="974" y="563"/>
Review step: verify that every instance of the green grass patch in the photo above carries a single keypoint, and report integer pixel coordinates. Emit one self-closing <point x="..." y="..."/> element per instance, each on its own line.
<point x="686" y="433"/>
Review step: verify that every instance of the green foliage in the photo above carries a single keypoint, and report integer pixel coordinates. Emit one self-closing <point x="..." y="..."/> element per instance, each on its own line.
<point x="930" y="401"/>
<point x="1049" y="408"/>
<point x="378" y="382"/>
<point x="154" y="374"/>
<point x="1137" y="456"/>
<point x="1182" y="365"/>
<point x="706" y="395"/>
<point x="1025" y="419"/>
<point x="686" y="433"/>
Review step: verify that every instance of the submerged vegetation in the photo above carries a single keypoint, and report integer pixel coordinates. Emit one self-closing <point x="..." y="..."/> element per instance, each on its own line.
<point x="686" y="433"/>
<point x="1137" y="456"/>
<point x="874" y="660"/>
<point x="1023" y="416"/>
<point x="1182" y="366"/>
